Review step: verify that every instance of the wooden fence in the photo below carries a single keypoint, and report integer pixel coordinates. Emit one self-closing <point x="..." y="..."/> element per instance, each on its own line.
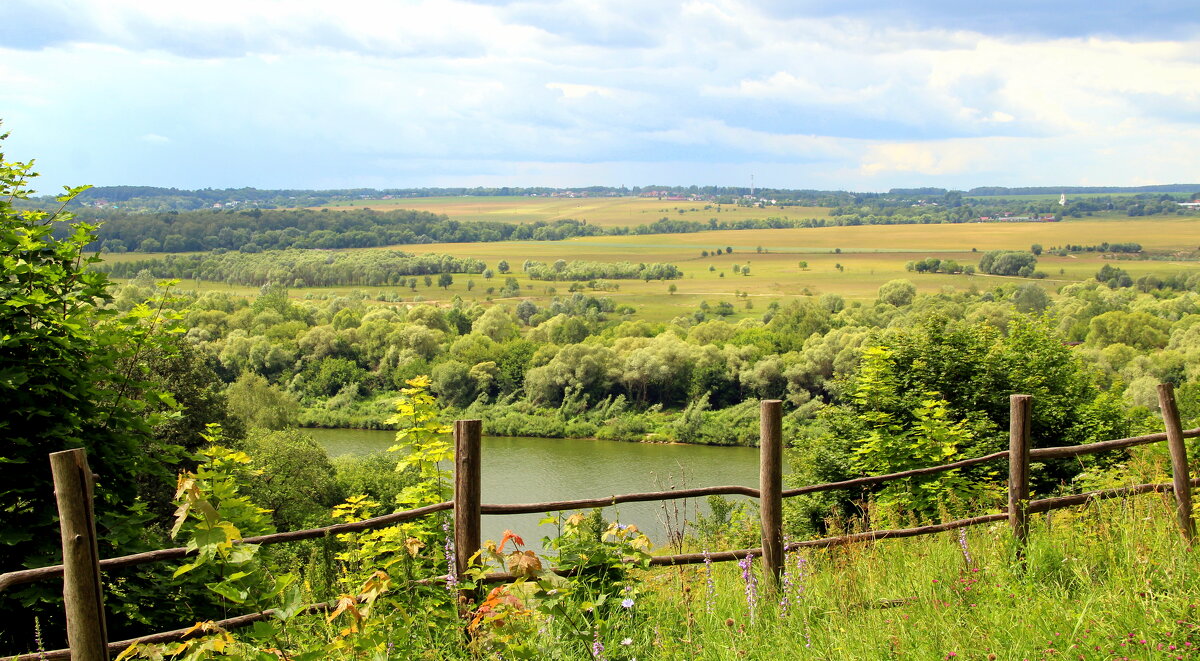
<point x="81" y="565"/>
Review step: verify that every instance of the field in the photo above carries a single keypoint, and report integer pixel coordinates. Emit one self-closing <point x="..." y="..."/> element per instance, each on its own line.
<point x="602" y="211"/>
<point x="868" y="256"/>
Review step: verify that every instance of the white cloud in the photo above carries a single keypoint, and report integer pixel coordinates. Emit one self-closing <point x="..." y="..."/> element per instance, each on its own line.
<point x="296" y="87"/>
<point x="576" y="91"/>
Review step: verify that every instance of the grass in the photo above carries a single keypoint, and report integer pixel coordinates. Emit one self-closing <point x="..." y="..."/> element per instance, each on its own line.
<point x="603" y="211"/>
<point x="1109" y="581"/>
<point x="1112" y="580"/>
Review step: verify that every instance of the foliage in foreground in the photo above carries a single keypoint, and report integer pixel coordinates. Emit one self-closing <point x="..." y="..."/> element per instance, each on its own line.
<point x="1111" y="580"/>
<point x="75" y="374"/>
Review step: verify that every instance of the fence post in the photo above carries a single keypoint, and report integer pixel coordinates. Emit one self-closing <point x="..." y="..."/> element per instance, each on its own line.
<point x="83" y="596"/>
<point x="1179" y="461"/>
<point x="1019" y="412"/>
<point x="468" y="435"/>
<point x="770" y="487"/>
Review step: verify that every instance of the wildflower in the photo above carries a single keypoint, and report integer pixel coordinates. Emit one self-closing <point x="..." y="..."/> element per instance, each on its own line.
<point x="626" y="603"/>
<point x="784" y="601"/>
<point x="627" y="641"/>
<point x="747" y="565"/>
<point x="962" y="543"/>
<point x="597" y="646"/>
<point x="708" y="581"/>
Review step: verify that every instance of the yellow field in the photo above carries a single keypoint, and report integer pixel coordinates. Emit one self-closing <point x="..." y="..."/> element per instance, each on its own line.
<point x="869" y="257"/>
<point x="602" y="211"/>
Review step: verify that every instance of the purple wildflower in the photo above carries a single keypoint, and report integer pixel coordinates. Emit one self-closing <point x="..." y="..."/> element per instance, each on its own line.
<point x="962" y="543"/>
<point x="597" y="646"/>
<point x="627" y="603"/>
<point x="747" y="565"/>
<point x="801" y="575"/>
<point x="708" y="579"/>
<point x="785" y="591"/>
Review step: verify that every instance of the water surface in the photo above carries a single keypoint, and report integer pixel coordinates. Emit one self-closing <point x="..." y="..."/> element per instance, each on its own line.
<point x="526" y="470"/>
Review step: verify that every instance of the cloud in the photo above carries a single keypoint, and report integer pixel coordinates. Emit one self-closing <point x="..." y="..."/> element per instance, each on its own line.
<point x="868" y="94"/>
<point x="935" y="159"/>
<point x="576" y="91"/>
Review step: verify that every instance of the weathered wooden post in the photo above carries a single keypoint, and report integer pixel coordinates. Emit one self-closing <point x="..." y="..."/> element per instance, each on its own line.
<point x="770" y="487"/>
<point x="1179" y="462"/>
<point x="83" y="596"/>
<point x="468" y="491"/>
<point x="1019" y="412"/>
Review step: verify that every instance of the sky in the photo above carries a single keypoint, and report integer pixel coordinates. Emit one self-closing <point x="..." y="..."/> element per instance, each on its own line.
<point x="860" y="95"/>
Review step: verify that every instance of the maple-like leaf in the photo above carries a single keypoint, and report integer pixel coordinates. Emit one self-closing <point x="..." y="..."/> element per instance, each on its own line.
<point x="524" y="563"/>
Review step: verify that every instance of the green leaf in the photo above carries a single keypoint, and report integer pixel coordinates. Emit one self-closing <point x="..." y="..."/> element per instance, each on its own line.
<point x="229" y="591"/>
<point x="183" y="569"/>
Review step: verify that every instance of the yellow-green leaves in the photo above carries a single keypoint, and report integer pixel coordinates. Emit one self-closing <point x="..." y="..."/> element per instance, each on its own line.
<point x="425" y="442"/>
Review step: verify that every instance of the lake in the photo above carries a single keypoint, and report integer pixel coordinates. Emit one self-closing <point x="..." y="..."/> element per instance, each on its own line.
<point x="527" y="470"/>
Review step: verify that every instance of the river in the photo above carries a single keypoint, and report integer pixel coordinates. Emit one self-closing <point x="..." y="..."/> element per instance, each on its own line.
<point x="526" y="470"/>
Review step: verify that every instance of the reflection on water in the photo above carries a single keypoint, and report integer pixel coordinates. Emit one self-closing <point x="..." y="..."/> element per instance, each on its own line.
<point x="526" y="470"/>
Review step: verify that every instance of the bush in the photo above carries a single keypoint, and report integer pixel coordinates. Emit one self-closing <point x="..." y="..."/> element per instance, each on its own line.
<point x="293" y="478"/>
<point x="1002" y="262"/>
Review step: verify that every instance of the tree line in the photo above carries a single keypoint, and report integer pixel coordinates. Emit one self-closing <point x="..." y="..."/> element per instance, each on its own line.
<point x="256" y="230"/>
<point x="299" y="268"/>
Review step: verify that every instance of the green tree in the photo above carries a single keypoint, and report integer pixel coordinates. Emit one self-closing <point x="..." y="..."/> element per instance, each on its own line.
<point x="445" y="280"/>
<point x="956" y="372"/>
<point x="294" y="478"/>
<point x="897" y="292"/>
<point x="1002" y="262"/>
<point x="72" y="375"/>
<point x="451" y="381"/>
<point x="258" y="403"/>
<point x="1140" y="330"/>
<point x="1031" y="298"/>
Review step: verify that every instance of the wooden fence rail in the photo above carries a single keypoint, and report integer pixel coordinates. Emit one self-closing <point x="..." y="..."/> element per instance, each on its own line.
<point x="24" y="576"/>
<point x="1044" y="505"/>
<point x="468" y="508"/>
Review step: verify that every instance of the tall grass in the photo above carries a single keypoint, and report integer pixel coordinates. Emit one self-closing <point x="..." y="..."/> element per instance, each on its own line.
<point x="1110" y="581"/>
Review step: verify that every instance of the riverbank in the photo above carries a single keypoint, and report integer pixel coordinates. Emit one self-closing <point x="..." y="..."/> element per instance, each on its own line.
<point x="611" y="419"/>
